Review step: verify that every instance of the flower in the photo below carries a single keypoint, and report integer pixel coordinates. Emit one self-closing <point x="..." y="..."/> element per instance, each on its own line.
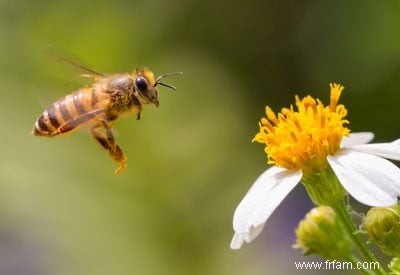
<point x="309" y="141"/>
<point x="383" y="228"/>
<point x="321" y="233"/>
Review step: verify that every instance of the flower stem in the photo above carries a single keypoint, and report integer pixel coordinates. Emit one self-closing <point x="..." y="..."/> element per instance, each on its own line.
<point x="350" y="228"/>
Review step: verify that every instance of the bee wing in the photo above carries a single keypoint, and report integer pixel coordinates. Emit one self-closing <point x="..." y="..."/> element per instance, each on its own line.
<point x="74" y="62"/>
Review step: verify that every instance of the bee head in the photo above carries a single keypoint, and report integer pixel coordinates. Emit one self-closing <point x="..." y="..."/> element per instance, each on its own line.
<point x="146" y="86"/>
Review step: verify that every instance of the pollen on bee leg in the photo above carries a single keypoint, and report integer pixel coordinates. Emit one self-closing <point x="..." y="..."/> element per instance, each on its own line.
<point x="122" y="163"/>
<point x="121" y="168"/>
<point x="119" y="157"/>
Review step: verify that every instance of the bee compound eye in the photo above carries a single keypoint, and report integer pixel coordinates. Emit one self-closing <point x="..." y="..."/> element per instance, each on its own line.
<point x="141" y="83"/>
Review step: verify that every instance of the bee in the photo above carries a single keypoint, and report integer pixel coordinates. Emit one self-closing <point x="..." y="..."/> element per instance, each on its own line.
<point x="101" y="105"/>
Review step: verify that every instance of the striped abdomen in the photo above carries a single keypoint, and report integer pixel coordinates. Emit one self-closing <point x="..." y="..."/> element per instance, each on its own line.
<point x="69" y="112"/>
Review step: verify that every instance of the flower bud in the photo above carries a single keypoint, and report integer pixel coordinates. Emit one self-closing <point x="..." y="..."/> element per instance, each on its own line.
<point x="394" y="266"/>
<point x="321" y="233"/>
<point x="383" y="227"/>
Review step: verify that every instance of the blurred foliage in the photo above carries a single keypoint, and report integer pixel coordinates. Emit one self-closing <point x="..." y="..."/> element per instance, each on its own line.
<point x="62" y="210"/>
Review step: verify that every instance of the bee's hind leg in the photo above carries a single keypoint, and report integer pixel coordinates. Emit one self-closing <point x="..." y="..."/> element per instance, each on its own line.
<point x="107" y="141"/>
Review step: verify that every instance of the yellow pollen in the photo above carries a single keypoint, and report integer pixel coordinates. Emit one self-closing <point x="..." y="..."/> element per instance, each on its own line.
<point x="302" y="138"/>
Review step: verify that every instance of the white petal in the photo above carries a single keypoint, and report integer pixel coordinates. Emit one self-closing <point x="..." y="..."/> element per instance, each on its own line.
<point x="371" y="180"/>
<point x="356" y="138"/>
<point x="386" y="150"/>
<point x="264" y="196"/>
<point x="239" y="238"/>
<point x="397" y="141"/>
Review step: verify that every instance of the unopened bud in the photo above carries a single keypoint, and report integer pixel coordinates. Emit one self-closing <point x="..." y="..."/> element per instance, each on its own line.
<point x="383" y="227"/>
<point x="321" y="233"/>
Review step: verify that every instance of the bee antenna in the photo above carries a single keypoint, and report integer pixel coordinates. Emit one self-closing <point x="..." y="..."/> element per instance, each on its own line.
<point x="165" y="84"/>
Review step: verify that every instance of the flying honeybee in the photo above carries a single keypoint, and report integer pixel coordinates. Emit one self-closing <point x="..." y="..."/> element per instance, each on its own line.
<point x="100" y="106"/>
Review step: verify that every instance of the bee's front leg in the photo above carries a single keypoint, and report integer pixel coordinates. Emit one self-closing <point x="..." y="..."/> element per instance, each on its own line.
<point x="107" y="141"/>
<point x="137" y="110"/>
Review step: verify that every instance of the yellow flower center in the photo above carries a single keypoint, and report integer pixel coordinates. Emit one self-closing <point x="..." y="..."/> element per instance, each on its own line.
<point x="302" y="139"/>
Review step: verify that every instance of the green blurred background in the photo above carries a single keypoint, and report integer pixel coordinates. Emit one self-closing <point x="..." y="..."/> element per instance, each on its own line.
<point x="62" y="210"/>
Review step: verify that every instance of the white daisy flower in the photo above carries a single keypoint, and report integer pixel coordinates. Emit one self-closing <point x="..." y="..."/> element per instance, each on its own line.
<point x="305" y="142"/>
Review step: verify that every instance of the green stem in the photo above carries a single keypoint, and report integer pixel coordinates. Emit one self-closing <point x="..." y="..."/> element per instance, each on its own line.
<point x="324" y="188"/>
<point x="350" y="228"/>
